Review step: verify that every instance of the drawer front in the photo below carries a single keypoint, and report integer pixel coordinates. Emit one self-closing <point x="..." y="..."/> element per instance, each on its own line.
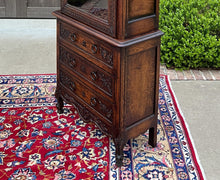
<point x="94" y="100"/>
<point x="87" y="43"/>
<point x="88" y="116"/>
<point x="88" y="70"/>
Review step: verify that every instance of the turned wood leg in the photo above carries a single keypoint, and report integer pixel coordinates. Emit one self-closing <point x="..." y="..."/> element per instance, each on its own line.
<point x="60" y="103"/>
<point x="153" y="136"/>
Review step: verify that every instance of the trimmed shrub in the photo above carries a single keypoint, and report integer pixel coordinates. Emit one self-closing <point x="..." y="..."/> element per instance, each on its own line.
<point x="192" y="33"/>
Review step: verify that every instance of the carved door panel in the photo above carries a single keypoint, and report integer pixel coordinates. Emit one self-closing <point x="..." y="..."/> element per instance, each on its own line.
<point x="28" y="8"/>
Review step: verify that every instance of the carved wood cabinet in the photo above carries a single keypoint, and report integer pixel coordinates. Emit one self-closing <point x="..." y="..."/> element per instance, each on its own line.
<point x="108" y="54"/>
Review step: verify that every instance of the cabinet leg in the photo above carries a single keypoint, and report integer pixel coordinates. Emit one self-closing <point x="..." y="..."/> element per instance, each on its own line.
<point x="153" y="136"/>
<point x="119" y="152"/>
<point x="60" y="103"/>
<point x="119" y="159"/>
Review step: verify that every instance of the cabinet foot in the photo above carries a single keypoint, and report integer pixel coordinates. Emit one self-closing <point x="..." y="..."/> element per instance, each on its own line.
<point x="119" y="160"/>
<point x="153" y="136"/>
<point x="60" y="103"/>
<point x="59" y="110"/>
<point x="119" y="144"/>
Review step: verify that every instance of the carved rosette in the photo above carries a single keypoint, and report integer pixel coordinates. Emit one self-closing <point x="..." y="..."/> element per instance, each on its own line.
<point x="64" y="33"/>
<point x="65" y="80"/>
<point x="106" y="56"/>
<point x="105" y="110"/>
<point x="106" y="82"/>
<point x="67" y="58"/>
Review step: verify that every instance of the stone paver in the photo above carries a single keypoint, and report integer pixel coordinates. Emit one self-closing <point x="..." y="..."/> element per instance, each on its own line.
<point x="198" y="75"/>
<point x="207" y="74"/>
<point x="180" y="75"/>
<point x="216" y="74"/>
<point x="172" y="74"/>
<point x="189" y="75"/>
<point x="194" y="74"/>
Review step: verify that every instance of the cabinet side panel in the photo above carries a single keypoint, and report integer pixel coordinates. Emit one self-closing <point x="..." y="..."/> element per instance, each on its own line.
<point x="140" y="86"/>
<point x="140" y="8"/>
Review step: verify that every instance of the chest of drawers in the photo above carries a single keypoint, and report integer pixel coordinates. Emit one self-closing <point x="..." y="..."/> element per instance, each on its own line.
<point x="112" y="82"/>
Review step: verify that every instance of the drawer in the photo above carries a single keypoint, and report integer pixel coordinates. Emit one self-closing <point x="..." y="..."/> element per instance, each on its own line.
<point x="95" y="75"/>
<point x="93" y="99"/>
<point x="87" y="43"/>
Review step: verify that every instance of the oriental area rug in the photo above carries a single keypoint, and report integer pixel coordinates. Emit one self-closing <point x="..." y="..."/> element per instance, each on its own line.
<point x="38" y="143"/>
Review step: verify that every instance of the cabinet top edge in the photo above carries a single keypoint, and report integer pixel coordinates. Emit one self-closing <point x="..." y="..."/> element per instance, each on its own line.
<point x="112" y="41"/>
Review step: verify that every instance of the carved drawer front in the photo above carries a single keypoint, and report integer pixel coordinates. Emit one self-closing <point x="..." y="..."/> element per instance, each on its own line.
<point x="87" y="43"/>
<point x="88" y="70"/>
<point x="94" y="100"/>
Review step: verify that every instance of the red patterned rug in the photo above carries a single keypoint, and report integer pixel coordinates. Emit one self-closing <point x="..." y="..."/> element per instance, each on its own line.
<point x="37" y="143"/>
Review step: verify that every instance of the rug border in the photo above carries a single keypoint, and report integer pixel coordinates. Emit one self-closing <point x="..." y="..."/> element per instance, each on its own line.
<point x="186" y="130"/>
<point x="47" y="74"/>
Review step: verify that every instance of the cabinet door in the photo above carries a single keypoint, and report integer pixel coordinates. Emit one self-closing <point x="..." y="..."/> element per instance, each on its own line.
<point x="99" y="14"/>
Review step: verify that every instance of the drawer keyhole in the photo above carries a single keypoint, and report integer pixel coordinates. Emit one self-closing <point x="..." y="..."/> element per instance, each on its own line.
<point x="84" y="43"/>
<point x="94" y="76"/>
<point x="73" y="62"/>
<point x="72" y="86"/>
<point x="94" y="49"/>
<point x="93" y="101"/>
<point x="73" y="37"/>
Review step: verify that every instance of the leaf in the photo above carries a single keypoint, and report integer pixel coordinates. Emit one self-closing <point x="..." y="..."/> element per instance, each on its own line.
<point x="70" y="167"/>
<point x="8" y="169"/>
<point x="41" y="172"/>
<point x="53" y="152"/>
<point x="17" y="128"/>
<point x="95" y="168"/>
<point x="7" y="125"/>
<point x="59" y="133"/>
<point x="139" y="166"/>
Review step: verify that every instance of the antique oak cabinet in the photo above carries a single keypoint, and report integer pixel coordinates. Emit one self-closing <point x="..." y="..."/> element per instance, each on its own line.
<point x="108" y="54"/>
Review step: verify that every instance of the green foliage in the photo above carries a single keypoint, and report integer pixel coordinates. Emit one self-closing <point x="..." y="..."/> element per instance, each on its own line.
<point x="192" y="33"/>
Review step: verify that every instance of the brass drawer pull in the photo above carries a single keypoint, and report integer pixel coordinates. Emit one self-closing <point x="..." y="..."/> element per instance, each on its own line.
<point x="94" y="49"/>
<point x="73" y="37"/>
<point x="93" y="101"/>
<point x="72" y="86"/>
<point x="94" y="76"/>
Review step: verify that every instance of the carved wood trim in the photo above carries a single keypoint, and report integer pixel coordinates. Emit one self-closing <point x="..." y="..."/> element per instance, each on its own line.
<point x="97" y="49"/>
<point x="107" y="27"/>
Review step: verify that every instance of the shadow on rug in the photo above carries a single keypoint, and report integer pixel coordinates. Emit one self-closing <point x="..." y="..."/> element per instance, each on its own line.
<point x="37" y="143"/>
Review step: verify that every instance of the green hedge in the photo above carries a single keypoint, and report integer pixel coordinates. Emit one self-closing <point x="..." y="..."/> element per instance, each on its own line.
<point x="192" y="33"/>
